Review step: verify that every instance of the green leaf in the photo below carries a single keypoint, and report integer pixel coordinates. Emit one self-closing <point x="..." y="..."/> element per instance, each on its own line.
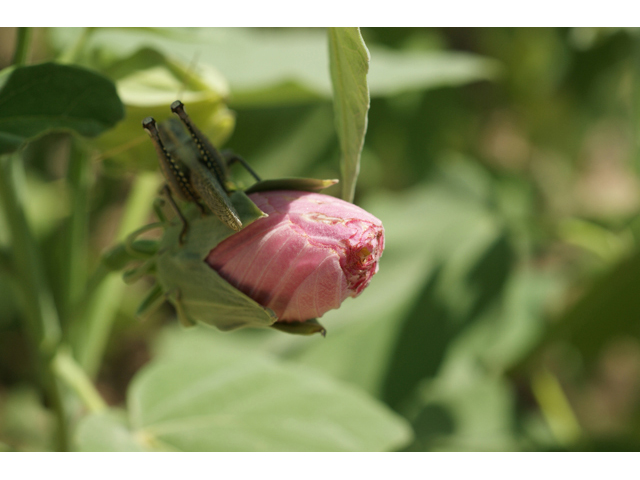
<point x="304" y="184"/>
<point x="608" y="310"/>
<point x="106" y="432"/>
<point x="39" y="98"/>
<point x="25" y="424"/>
<point x="465" y="411"/>
<point x="223" y="400"/>
<point x="269" y="67"/>
<point x="393" y="72"/>
<point x="349" y="62"/>
<point x="148" y="82"/>
<point x="196" y="289"/>
<point x="469" y="405"/>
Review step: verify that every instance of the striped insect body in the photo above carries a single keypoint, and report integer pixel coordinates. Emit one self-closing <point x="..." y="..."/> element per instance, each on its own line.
<point x="195" y="171"/>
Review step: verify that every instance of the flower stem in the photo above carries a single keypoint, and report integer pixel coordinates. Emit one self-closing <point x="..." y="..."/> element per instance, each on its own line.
<point x="75" y="255"/>
<point x="66" y="368"/>
<point x="42" y="325"/>
<point x="555" y="407"/>
<point x="23" y="41"/>
<point x="71" y="54"/>
<point x="90" y="342"/>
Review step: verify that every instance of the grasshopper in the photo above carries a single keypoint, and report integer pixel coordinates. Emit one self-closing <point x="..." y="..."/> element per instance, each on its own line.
<point x="194" y="169"/>
<point x="196" y="172"/>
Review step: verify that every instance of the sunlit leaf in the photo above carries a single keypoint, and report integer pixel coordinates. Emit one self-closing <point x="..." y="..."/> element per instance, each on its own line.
<point x="227" y="401"/>
<point x="471" y="413"/>
<point x="148" y="82"/>
<point x="269" y="67"/>
<point x="106" y="432"/>
<point x="349" y="63"/>
<point x="25" y="425"/>
<point x="393" y="72"/>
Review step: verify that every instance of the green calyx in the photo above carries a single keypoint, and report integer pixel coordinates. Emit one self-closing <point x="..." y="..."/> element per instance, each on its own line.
<point x="197" y="292"/>
<point x="302" y="184"/>
<point x="193" y="287"/>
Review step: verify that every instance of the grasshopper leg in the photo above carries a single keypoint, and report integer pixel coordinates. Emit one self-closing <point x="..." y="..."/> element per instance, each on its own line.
<point x="158" y="203"/>
<point x="232" y="158"/>
<point x="185" y="225"/>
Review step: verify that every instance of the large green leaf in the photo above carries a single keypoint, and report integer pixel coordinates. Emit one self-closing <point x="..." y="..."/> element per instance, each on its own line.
<point x="267" y="67"/>
<point x="148" y="82"/>
<point x="349" y="64"/>
<point x="228" y="401"/>
<point x="25" y="424"/>
<point x="39" y="98"/>
<point x="207" y="397"/>
<point x="210" y="395"/>
<point x="469" y="405"/>
<point x="467" y="411"/>
<point x="106" y="432"/>
<point x="394" y="72"/>
<point x="608" y="310"/>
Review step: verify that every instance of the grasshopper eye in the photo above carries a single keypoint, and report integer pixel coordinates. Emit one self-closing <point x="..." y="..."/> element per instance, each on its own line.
<point x="149" y="124"/>
<point x="177" y="107"/>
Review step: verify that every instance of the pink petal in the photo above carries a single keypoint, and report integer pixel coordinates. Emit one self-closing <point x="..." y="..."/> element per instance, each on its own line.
<point x="307" y="257"/>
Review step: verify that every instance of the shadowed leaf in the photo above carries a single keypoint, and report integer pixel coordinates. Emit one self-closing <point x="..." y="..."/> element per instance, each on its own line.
<point x="40" y="98"/>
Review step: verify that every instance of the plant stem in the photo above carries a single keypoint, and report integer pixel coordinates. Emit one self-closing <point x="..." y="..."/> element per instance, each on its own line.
<point x="66" y="368"/>
<point x="555" y="407"/>
<point x="71" y="54"/>
<point x="42" y="324"/>
<point x="6" y="265"/>
<point x="91" y="341"/>
<point x="43" y="327"/>
<point x="41" y="318"/>
<point x="23" y="41"/>
<point x="75" y="256"/>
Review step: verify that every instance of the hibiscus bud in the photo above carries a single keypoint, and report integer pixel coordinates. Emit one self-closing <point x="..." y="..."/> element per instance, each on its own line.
<point x="310" y="253"/>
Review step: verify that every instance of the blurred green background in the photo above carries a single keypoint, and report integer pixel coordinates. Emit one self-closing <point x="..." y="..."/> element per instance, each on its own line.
<point x="504" y="166"/>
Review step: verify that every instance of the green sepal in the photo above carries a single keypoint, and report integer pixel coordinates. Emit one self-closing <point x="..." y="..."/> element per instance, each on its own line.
<point x="121" y="255"/>
<point x="142" y="250"/>
<point x="185" y="320"/>
<point x="117" y="257"/>
<point x="247" y="210"/>
<point x="145" y="248"/>
<point x="303" y="184"/>
<point x="151" y="302"/>
<point x="308" y="327"/>
<point x="136" y="273"/>
<point x="203" y="295"/>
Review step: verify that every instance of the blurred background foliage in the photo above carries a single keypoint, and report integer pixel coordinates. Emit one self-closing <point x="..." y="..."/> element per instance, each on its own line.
<point x="504" y="166"/>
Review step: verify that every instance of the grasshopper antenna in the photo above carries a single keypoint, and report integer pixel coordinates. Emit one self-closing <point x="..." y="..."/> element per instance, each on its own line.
<point x="188" y="74"/>
<point x="209" y="154"/>
<point x="213" y="159"/>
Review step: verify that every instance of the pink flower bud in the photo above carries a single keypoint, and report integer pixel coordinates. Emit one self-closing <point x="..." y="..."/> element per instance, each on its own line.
<point x="310" y="254"/>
